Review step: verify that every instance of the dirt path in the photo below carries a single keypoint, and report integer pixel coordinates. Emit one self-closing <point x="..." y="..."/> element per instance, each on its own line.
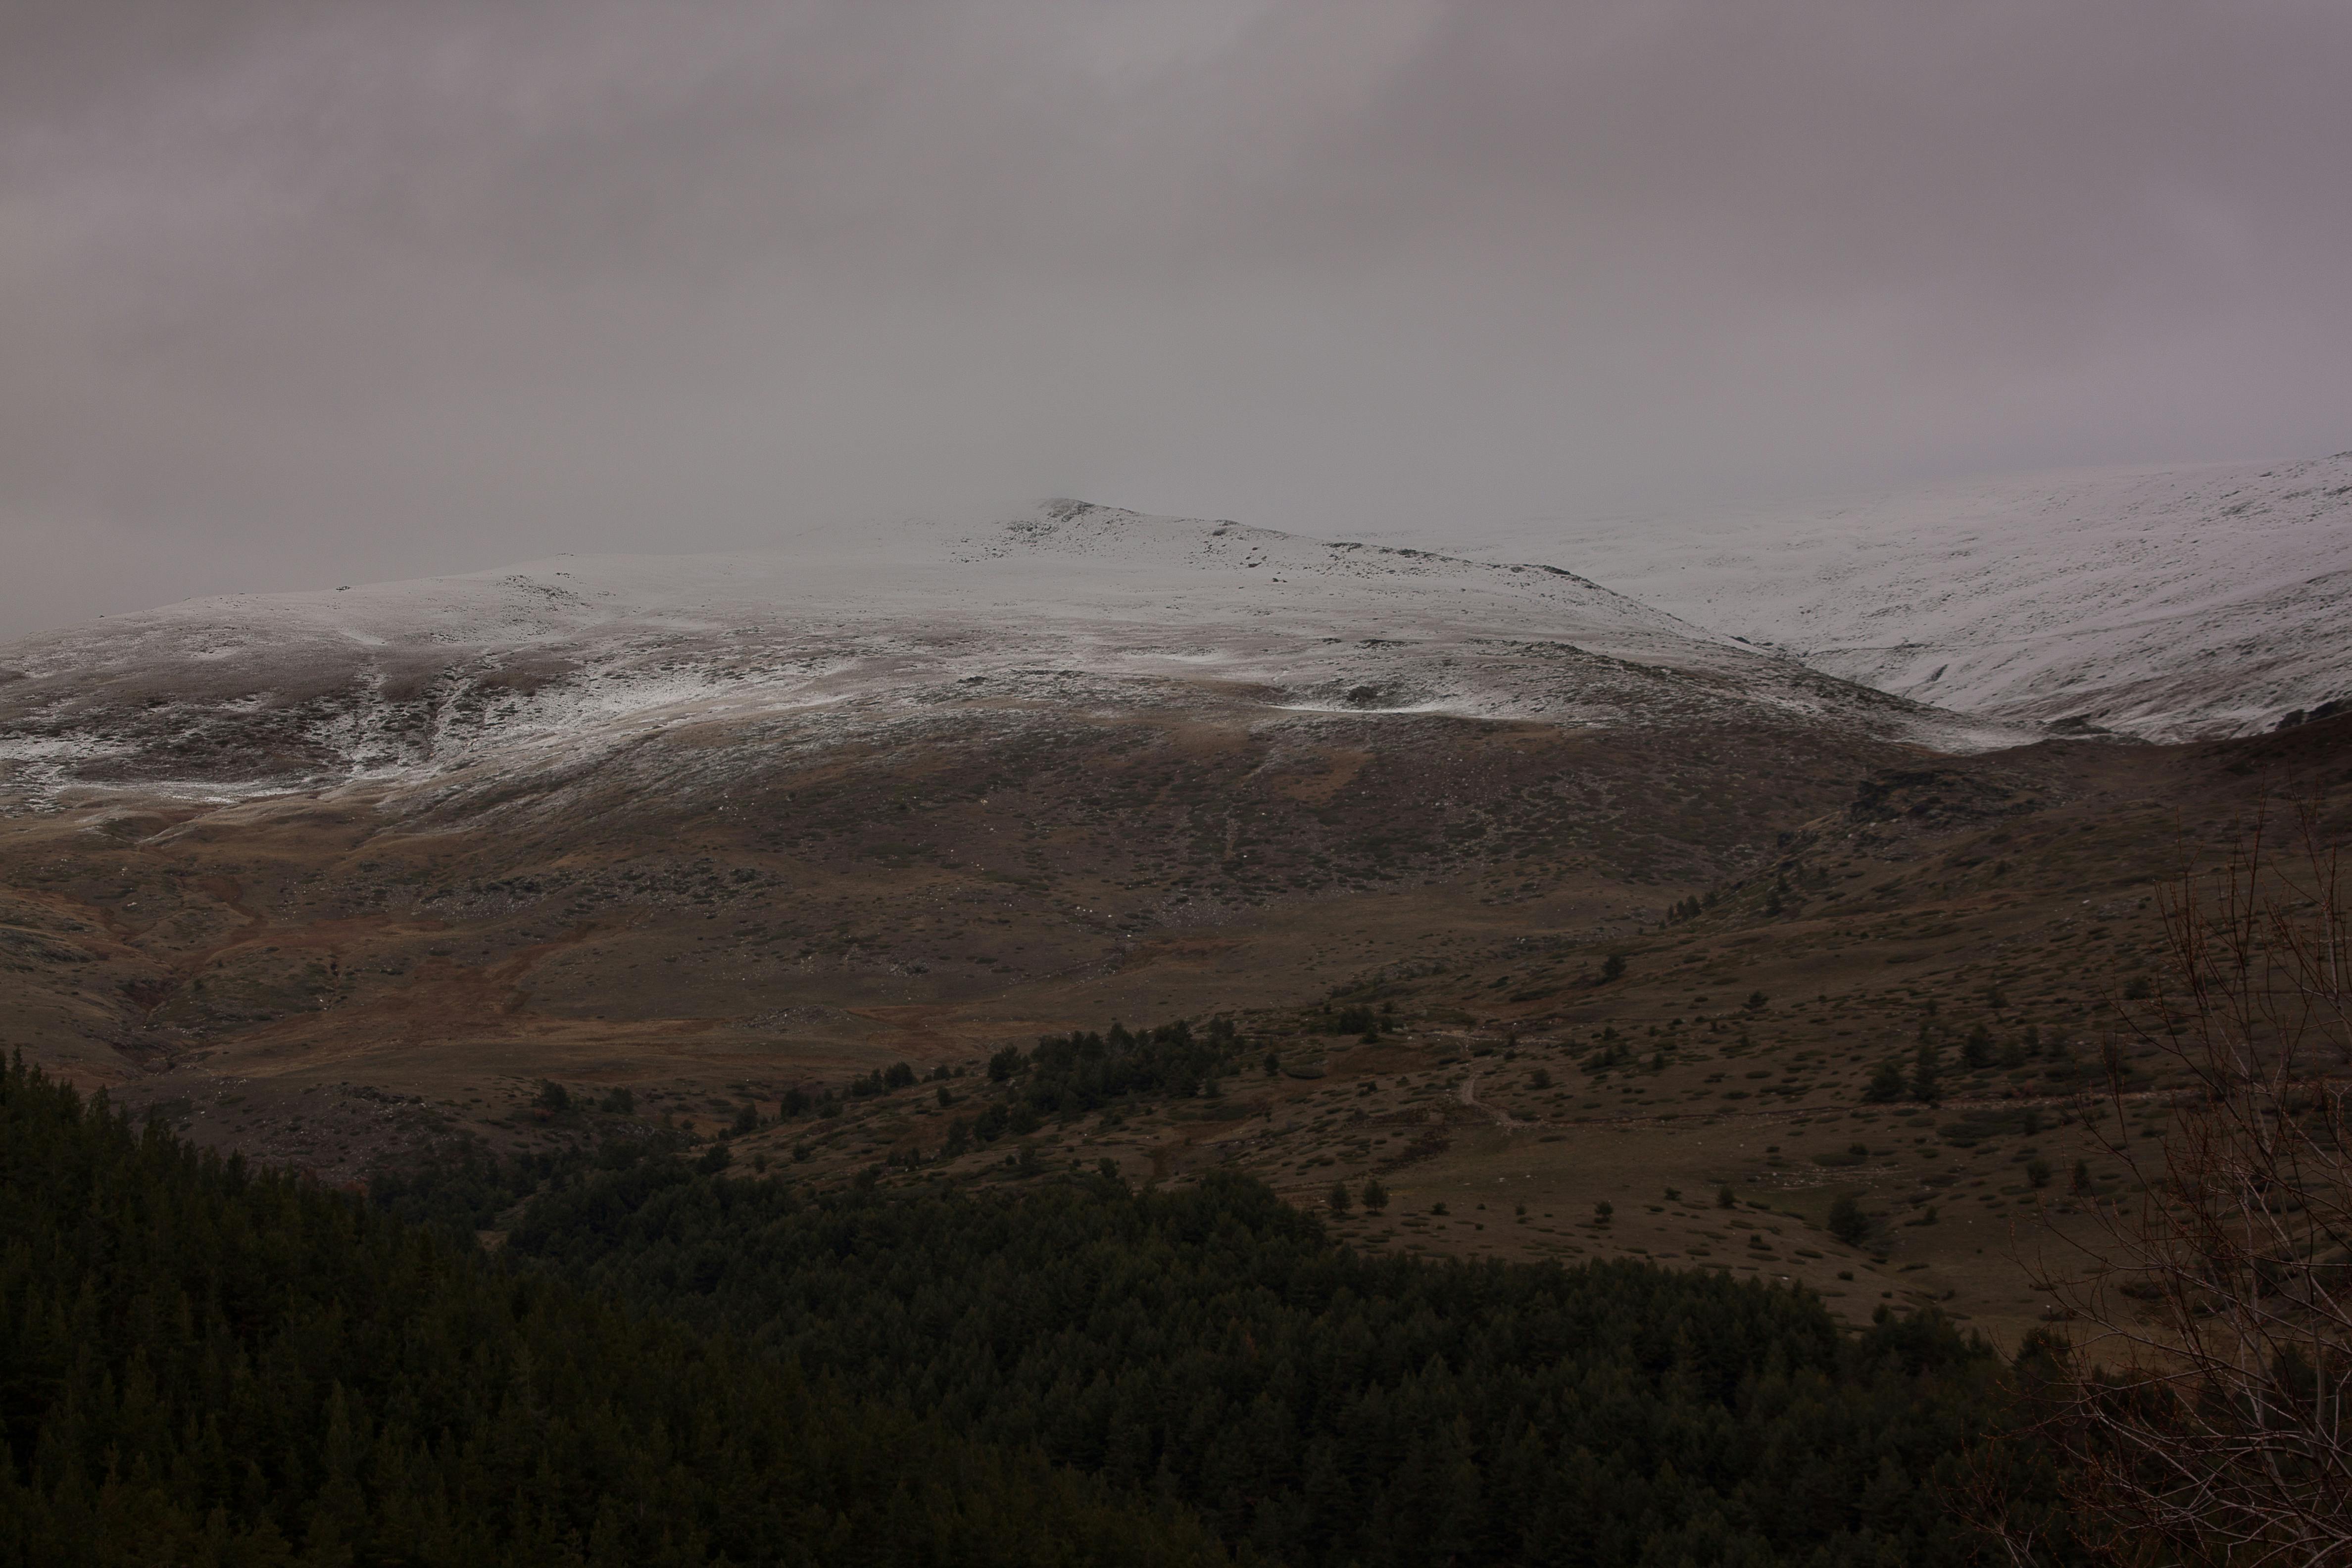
<point x="1468" y="1095"/>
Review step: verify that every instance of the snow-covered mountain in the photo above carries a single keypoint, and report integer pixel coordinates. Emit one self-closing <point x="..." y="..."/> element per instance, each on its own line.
<point x="2167" y="603"/>
<point x="446" y="685"/>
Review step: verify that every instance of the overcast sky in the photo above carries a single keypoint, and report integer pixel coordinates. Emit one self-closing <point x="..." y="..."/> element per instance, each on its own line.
<point x="295" y="292"/>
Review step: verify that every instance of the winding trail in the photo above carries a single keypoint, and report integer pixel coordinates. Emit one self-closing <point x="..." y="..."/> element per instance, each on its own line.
<point x="1468" y="1095"/>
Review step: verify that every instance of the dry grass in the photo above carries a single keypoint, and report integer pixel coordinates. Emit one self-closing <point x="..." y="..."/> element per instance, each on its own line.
<point x="841" y="912"/>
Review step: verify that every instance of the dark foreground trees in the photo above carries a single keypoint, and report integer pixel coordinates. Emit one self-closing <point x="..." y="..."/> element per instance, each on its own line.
<point x="669" y="1364"/>
<point x="201" y="1364"/>
<point x="1213" y="1346"/>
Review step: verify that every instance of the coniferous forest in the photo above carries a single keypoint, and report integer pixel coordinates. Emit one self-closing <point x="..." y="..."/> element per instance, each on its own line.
<point x="203" y="1363"/>
<point x="1211" y="1344"/>
<point x="669" y="1363"/>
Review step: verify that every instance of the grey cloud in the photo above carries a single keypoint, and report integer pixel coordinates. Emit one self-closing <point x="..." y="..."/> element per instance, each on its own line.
<point x="291" y="293"/>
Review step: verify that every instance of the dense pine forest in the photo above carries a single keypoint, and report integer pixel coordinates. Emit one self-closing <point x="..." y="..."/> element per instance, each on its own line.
<point x="1212" y="1344"/>
<point x="205" y="1364"/>
<point x="672" y="1362"/>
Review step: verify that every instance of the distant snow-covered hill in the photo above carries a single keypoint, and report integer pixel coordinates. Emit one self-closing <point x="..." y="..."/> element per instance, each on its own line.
<point x="449" y="689"/>
<point x="2167" y="603"/>
<point x="2163" y="605"/>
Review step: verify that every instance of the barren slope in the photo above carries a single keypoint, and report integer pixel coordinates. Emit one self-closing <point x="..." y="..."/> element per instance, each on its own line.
<point x="1081" y="758"/>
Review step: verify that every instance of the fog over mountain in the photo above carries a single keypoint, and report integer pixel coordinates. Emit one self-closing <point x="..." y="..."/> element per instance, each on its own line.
<point x="293" y="296"/>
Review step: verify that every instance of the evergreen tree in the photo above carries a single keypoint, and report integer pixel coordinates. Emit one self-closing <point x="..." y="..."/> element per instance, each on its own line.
<point x="1886" y="1085"/>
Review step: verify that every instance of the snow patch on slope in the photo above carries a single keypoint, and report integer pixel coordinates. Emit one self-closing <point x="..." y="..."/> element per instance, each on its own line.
<point x="2167" y="604"/>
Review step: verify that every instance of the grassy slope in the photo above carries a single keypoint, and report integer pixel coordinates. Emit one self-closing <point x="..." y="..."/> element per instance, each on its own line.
<point x="337" y="989"/>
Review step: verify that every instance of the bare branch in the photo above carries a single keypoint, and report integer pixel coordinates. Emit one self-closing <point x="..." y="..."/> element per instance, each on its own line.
<point x="2204" y="1411"/>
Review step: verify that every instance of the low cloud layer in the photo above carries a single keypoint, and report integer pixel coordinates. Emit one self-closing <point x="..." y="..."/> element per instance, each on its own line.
<point x="297" y="293"/>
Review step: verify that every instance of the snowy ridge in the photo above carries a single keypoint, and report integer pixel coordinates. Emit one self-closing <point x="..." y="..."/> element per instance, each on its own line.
<point x="2167" y="603"/>
<point x="447" y="687"/>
